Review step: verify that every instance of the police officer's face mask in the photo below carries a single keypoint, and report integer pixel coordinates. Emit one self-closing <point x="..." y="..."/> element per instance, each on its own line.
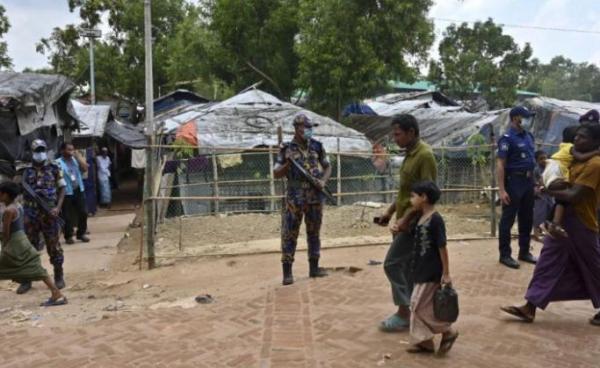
<point x="39" y="157"/>
<point x="526" y="123"/>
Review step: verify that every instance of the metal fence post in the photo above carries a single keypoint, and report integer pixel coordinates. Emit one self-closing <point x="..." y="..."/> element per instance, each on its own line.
<point x="493" y="219"/>
<point x="215" y="181"/>
<point x="271" y="180"/>
<point x="339" y="173"/>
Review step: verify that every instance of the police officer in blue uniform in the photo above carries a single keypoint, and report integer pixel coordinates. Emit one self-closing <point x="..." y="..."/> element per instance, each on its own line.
<point x="302" y="199"/>
<point x="516" y="162"/>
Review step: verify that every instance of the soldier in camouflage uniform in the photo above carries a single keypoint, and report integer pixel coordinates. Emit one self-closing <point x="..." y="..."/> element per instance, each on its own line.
<point x="302" y="199"/>
<point x="46" y="180"/>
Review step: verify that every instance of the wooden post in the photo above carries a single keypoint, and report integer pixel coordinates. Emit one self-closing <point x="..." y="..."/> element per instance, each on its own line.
<point x="339" y="173"/>
<point x="216" y="181"/>
<point x="493" y="184"/>
<point x="271" y="180"/>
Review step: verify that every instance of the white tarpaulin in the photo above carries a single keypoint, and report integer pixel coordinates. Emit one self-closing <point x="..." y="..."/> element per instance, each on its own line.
<point x="92" y="119"/>
<point x="251" y="119"/>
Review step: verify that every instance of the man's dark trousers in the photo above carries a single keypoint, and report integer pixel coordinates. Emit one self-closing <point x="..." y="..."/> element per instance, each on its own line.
<point x="520" y="188"/>
<point x="75" y="214"/>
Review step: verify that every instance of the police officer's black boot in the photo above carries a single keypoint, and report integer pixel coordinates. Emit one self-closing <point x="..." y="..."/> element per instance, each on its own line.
<point x="59" y="280"/>
<point x="315" y="270"/>
<point x="288" y="278"/>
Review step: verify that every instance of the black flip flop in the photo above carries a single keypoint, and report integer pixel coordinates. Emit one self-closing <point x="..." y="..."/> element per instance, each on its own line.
<point x="54" y="302"/>
<point x="447" y="344"/>
<point x="514" y="311"/>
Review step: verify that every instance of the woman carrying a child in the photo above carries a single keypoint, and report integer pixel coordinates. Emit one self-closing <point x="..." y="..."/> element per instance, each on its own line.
<point x="569" y="267"/>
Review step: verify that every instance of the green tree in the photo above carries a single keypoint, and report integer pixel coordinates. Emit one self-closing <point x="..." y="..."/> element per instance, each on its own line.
<point x="5" y="60"/>
<point x="480" y="59"/>
<point x="253" y="40"/>
<point x="564" y="79"/>
<point x="350" y="49"/>
<point x="119" y="55"/>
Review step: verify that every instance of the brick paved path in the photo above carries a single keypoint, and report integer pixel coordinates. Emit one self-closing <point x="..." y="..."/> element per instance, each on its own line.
<point x="326" y="323"/>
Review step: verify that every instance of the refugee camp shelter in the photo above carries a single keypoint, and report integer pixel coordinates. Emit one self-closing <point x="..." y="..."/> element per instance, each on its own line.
<point x="32" y="106"/>
<point x="176" y="99"/>
<point x="553" y="116"/>
<point x="227" y="130"/>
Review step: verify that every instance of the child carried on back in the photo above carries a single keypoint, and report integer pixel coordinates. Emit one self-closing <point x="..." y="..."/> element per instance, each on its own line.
<point x="556" y="175"/>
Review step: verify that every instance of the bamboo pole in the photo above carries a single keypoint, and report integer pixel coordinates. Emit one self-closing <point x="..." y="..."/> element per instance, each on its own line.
<point x="216" y="182"/>
<point x="493" y="220"/>
<point x="339" y="173"/>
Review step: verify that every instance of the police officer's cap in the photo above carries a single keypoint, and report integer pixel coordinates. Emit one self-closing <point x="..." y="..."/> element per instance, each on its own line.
<point x="521" y="111"/>
<point x="302" y="119"/>
<point x="38" y="145"/>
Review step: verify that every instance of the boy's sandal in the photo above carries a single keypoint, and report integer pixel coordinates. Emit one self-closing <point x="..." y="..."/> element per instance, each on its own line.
<point x="55" y="302"/>
<point x="447" y="344"/>
<point x="419" y="349"/>
<point x="514" y="311"/>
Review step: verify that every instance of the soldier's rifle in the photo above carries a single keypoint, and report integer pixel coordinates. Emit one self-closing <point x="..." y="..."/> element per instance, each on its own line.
<point x="40" y="202"/>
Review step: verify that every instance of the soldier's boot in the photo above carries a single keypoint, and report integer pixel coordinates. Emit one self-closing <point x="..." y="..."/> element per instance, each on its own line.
<point x="59" y="280"/>
<point x="315" y="270"/>
<point x="24" y="287"/>
<point x="288" y="278"/>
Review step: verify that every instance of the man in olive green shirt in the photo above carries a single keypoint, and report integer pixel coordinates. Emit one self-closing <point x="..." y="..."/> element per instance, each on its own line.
<point x="419" y="165"/>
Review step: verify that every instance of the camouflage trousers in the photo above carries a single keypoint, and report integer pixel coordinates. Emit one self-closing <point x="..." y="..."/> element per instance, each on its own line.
<point x="290" y="229"/>
<point x="37" y="222"/>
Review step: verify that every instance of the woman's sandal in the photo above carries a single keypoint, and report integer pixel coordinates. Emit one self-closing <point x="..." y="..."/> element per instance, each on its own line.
<point x="447" y="344"/>
<point x="517" y="312"/>
<point x="55" y="302"/>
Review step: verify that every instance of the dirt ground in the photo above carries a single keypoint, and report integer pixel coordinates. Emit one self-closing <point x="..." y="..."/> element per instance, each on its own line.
<point x="213" y="233"/>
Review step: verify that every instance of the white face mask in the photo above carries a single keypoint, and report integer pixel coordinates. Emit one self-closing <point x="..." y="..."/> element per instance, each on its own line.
<point x="526" y="123"/>
<point x="39" y="157"/>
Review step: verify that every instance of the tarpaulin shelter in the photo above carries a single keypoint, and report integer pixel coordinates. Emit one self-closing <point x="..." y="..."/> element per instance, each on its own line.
<point x="236" y="125"/>
<point x="441" y="120"/>
<point x="177" y="98"/>
<point x="251" y="118"/>
<point x="553" y="116"/>
<point x="31" y="106"/>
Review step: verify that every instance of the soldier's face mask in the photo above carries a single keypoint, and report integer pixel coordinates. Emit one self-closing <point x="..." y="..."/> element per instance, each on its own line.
<point x="308" y="133"/>
<point x="39" y="157"/>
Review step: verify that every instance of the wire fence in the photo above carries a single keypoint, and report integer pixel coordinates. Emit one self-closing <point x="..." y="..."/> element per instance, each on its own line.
<point x="221" y="183"/>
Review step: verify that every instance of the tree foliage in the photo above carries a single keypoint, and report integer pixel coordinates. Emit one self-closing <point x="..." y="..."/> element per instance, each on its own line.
<point x="480" y="59"/>
<point x="564" y="79"/>
<point x="349" y="49"/>
<point x="5" y="60"/>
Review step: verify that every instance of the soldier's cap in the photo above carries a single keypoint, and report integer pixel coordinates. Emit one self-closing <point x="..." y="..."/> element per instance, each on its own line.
<point x="38" y="145"/>
<point x="521" y="111"/>
<point x="591" y="116"/>
<point x="304" y="120"/>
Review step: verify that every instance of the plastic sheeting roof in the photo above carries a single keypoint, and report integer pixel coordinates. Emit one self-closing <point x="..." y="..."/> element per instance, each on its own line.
<point x="128" y="134"/>
<point x="251" y="119"/>
<point x="553" y="116"/>
<point x="32" y="96"/>
<point x="92" y="119"/>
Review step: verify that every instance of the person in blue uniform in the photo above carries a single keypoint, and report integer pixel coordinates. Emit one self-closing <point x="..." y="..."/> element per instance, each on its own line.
<point x="516" y="162"/>
<point x="302" y="198"/>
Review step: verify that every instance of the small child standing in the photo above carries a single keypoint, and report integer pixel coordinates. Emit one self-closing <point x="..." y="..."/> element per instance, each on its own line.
<point x="430" y="270"/>
<point x="19" y="261"/>
<point x="556" y="175"/>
